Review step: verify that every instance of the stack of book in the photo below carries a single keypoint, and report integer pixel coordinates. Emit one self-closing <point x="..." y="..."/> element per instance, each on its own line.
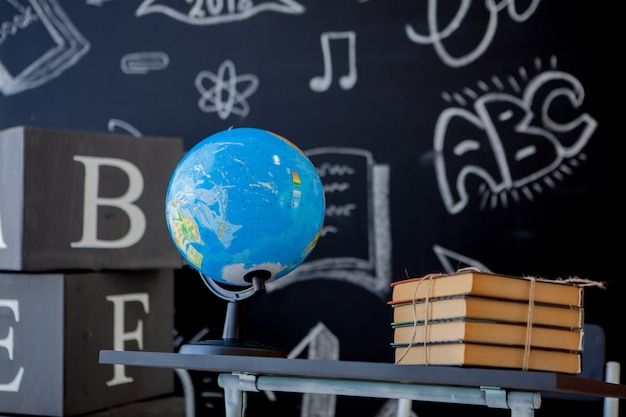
<point x="482" y="319"/>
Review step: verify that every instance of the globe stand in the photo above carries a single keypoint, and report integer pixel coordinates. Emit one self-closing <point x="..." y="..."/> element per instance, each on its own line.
<point x="234" y="340"/>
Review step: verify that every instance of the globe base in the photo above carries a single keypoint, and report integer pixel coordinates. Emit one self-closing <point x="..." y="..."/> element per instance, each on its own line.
<point x="231" y="347"/>
<point x="233" y="341"/>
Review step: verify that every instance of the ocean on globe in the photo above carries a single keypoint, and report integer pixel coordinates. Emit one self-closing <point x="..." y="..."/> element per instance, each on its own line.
<point x="245" y="201"/>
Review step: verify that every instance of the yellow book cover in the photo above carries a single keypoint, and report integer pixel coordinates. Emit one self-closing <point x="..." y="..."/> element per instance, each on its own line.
<point x="468" y="330"/>
<point x="488" y="309"/>
<point x="485" y="355"/>
<point x="485" y="284"/>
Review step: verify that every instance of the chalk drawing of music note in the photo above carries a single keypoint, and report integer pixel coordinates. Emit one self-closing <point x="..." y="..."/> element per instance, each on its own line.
<point x="347" y="81"/>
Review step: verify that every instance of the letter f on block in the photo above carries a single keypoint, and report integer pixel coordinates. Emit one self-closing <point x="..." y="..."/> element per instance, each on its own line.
<point x="124" y="202"/>
<point x="120" y="336"/>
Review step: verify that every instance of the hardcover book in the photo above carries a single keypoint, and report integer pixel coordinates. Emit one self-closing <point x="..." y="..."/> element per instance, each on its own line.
<point x="486" y="355"/>
<point x="488" y="285"/>
<point x="488" y="309"/>
<point x="468" y="330"/>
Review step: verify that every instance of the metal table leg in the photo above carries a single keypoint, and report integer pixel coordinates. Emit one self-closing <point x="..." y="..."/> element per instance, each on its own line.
<point x="404" y="407"/>
<point x="235" y="392"/>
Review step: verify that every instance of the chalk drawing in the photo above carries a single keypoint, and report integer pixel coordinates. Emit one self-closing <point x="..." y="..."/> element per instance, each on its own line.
<point x="144" y="62"/>
<point x="185" y="380"/>
<point x="453" y="261"/>
<point x="346" y="81"/>
<point x="114" y="124"/>
<point x="223" y="96"/>
<point x="396" y="408"/>
<point x="54" y="43"/>
<point x="188" y="391"/>
<point x="98" y="2"/>
<point x="355" y="243"/>
<point x="321" y="344"/>
<point x="203" y="12"/>
<point x="510" y="140"/>
<point x="212" y="399"/>
<point x="437" y="35"/>
<point x="187" y="385"/>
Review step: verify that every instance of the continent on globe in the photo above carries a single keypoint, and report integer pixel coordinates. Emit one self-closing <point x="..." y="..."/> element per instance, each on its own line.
<point x="244" y="202"/>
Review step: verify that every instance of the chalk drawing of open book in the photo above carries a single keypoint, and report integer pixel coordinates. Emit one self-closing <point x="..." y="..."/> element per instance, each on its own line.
<point x="355" y="245"/>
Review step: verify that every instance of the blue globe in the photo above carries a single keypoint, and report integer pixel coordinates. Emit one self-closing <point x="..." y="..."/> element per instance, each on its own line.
<point x="245" y="201"/>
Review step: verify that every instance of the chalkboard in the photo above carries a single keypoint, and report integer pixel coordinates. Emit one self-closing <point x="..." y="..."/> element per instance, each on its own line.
<point x="447" y="134"/>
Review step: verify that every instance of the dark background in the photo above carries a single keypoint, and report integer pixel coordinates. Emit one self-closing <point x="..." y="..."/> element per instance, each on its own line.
<point x="558" y="230"/>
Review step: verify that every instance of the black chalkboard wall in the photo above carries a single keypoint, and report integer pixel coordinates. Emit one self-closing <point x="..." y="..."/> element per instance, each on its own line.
<point x="449" y="134"/>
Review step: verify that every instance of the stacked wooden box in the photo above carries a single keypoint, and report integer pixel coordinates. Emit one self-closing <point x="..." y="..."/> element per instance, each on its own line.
<point x="86" y="264"/>
<point x="481" y="319"/>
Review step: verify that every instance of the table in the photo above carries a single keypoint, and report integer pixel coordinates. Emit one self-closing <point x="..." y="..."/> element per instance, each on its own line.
<point x="516" y="390"/>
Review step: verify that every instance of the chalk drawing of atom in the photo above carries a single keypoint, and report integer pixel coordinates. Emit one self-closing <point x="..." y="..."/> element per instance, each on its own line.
<point x="227" y="92"/>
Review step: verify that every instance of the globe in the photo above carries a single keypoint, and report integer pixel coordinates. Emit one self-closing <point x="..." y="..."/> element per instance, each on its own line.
<point x="245" y="202"/>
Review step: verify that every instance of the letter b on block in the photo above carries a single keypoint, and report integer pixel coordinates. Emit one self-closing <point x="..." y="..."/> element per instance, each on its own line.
<point x="101" y="208"/>
<point x="126" y="202"/>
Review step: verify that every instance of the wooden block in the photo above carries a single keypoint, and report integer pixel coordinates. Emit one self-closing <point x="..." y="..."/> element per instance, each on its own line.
<point x="53" y="327"/>
<point x="170" y="406"/>
<point x="76" y="200"/>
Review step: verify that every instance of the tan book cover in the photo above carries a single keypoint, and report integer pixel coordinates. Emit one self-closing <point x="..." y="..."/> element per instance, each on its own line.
<point x="488" y="285"/>
<point x="468" y="330"/>
<point x="485" y="355"/>
<point x="487" y="308"/>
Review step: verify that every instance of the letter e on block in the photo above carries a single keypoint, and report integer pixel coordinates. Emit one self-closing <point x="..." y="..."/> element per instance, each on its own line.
<point x="7" y="344"/>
